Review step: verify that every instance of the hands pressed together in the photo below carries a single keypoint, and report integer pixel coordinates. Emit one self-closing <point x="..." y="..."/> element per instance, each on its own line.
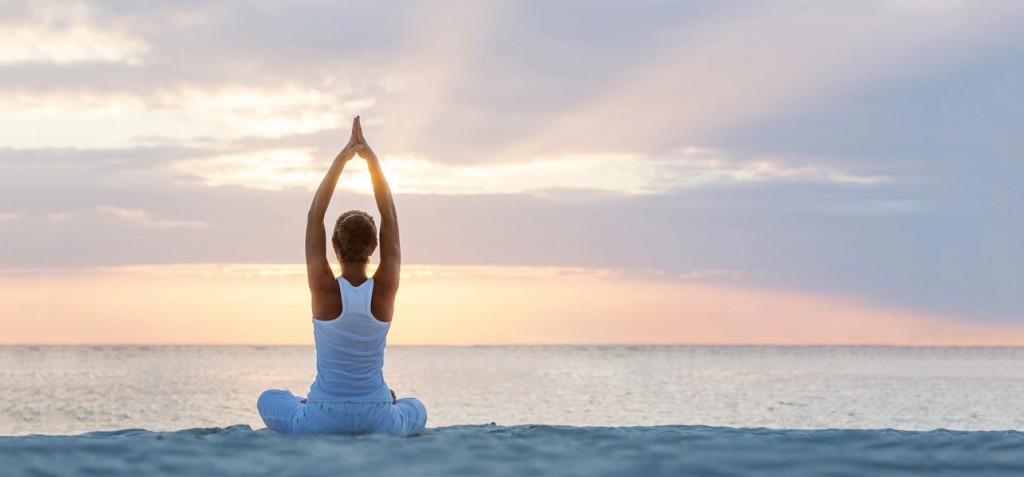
<point x="357" y="144"/>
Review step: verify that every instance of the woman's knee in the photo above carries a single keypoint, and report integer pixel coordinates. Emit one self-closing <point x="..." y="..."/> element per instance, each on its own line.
<point x="420" y="408"/>
<point x="266" y="397"/>
<point x="277" y="409"/>
<point x="272" y="401"/>
<point x="418" y="416"/>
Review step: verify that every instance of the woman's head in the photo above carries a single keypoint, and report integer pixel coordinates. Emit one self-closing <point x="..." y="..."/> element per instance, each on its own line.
<point x="355" y="237"/>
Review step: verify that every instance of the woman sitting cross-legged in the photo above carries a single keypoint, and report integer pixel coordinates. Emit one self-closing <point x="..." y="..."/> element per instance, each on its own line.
<point x="351" y="318"/>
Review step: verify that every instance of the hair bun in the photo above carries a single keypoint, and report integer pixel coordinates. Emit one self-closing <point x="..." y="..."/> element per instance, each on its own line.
<point x="358" y="218"/>
<point x="355" y="236"/>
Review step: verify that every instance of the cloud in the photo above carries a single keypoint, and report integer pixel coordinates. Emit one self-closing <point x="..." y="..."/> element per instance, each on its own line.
<point x="272" y="169"/>
<point x="710" y="274"/>
<point x="141" y="218"/>
<point x="275" y="169"/>
<point x="893" y="242"/>
<point x="412" y="271"/>
<point x="186" y="115"/>
<point x="493" y="82"/>
<point x="66" y="32"/>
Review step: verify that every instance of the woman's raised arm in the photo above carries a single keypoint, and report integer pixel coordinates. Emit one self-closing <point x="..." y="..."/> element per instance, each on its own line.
<point x="388" y="272"/>
<point x="323" y="288"/>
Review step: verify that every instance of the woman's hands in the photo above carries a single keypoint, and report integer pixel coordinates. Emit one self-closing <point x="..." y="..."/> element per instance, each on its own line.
<point x="357" y="143"/>
<point x="354" y="145"/>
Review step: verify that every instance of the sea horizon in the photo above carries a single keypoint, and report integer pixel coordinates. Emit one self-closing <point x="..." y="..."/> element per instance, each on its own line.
<point x="608" y="345"/>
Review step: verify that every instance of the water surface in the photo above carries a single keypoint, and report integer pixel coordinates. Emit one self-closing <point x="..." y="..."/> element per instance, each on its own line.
<point x="77" y="389"/>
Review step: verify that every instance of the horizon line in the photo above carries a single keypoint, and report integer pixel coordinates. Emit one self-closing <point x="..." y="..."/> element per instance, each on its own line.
<point x="537" y="345"/>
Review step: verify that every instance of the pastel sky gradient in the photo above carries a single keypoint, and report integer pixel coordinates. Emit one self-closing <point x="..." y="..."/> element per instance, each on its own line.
<point x="789" y="172"/>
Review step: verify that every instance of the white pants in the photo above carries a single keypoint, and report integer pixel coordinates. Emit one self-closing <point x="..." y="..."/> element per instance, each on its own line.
<point x="285" y="412"/>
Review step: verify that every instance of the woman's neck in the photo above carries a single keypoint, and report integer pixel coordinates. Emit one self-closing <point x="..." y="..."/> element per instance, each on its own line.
<point x="354" y="272"/>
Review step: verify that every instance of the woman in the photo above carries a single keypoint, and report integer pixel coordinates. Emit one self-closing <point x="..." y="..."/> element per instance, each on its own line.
<point x="351" y="318"/>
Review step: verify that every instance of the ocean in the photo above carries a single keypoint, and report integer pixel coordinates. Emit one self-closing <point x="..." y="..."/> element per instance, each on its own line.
<point x="525" y="410"/>
<point x="78" y="389"/>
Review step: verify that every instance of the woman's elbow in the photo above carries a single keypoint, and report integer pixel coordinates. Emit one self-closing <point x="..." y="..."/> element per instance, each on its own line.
<point x="315" y="213"/>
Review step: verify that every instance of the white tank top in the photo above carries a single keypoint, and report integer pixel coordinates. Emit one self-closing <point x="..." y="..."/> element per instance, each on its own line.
<point x="350" y="351"/>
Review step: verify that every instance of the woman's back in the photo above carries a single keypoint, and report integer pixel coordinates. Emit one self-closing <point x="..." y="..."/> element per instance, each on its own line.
<point x="350" y="350"/>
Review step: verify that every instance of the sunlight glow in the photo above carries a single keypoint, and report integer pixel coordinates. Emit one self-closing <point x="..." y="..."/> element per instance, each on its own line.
<point x="618" y="173"/>
<point x="273" y="169"/>
<point x="260" y="112"/>
<point x="269" y="304"/>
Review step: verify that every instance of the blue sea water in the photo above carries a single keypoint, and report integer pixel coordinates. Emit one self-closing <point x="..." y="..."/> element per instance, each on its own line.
<point x="518" y="410"/>
<point x="76" y="389"/>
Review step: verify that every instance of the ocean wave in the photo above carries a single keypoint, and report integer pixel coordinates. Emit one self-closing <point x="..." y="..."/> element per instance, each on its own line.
<point x="520" y="450"/>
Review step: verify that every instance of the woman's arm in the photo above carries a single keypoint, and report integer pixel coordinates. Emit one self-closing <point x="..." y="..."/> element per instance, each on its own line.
<point x="326" y="297"/>
<point x="388" y="272"/>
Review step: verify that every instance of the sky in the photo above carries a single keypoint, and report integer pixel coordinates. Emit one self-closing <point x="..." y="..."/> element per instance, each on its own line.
<point x="786" y="172"/>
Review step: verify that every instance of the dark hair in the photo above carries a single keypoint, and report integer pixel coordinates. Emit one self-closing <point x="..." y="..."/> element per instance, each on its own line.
<point x="355" y="236"/>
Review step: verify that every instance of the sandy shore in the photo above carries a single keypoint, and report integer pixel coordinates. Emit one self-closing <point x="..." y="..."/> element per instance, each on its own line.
<point x="520" y="450"/>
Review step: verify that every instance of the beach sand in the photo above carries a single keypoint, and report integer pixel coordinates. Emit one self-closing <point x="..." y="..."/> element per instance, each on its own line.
<point x="520" y="450"/>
